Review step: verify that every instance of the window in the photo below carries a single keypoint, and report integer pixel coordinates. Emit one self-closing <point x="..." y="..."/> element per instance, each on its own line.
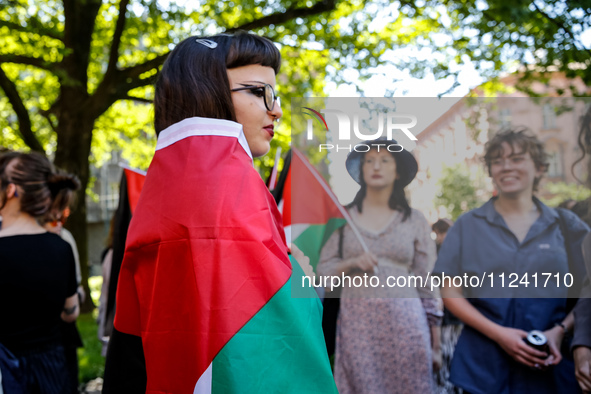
<point x="549" y="115"/>
<point x="555" y="164"/>
<point x="505" y="118"/>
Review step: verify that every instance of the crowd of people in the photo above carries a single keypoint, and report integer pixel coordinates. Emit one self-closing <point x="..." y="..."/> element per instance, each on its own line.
<point x="375" y="336"/>
<point x="201" y="301"/>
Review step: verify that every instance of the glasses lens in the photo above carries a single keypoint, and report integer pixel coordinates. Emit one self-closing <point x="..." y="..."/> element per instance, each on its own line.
<point x="269" y="97"/>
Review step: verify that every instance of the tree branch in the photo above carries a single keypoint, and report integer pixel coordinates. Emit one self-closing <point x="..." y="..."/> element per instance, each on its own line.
<point x="31" y="61"/>
<point x="119" y="27"/>
<point x="276" y="18"/>
<point x="24" y="121"/>
<point x="138" y="69"/>
<point x="560" y="25"/>
<point x="100" y="101"/>
<point x="138" y="99"/>
<point x="46" y="115"/>
<point x="279" y="18"/>
<point x="123" y="89"/>
<point x="38" y="29"/>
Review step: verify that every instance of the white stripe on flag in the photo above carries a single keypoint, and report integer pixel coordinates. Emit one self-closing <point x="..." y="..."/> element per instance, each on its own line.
<point x="203" y="385"/>
<point x="197" y="126"/>
<point x="295" y="230"/>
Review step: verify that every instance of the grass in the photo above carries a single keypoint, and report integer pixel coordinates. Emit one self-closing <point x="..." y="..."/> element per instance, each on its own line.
<point x="91" y="363"/>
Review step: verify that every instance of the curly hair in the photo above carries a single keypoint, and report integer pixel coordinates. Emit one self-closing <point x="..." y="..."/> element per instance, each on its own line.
<point x="521" y="138"/>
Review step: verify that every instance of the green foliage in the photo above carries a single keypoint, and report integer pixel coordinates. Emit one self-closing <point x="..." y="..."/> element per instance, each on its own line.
<point x="318" y="40"/>
<point x="127" y="127"/>
<point x="91" y="363"/>
<point x="562" y="191"/>
<point x="80" y="94"/>
<point x="95" y="283"/>
<point x="501" y="34"/>
<point x="458" y="193"/>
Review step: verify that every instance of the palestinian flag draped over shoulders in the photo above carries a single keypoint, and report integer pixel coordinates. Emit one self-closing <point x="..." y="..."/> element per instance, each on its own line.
<point x="311" y="211"/>
<point x="205" y="280"/>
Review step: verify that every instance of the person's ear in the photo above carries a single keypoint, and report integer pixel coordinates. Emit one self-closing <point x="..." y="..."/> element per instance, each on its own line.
<point x="11" y="191"/>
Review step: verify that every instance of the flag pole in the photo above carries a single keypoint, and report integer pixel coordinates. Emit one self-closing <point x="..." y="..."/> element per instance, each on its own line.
<point x="334" y="199"/>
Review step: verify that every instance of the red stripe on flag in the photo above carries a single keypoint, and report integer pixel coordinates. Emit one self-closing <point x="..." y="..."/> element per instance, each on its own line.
<point x="316" y="203"/>
<point x="205" y="252"/>
<point x="135" y="183"/>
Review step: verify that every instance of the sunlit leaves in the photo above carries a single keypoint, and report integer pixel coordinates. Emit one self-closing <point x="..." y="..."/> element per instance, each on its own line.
<point x="497" y="35"/>
<point x="127" y="127"/>
<point x="544" y="34"/>
<point x="38" y="90"/>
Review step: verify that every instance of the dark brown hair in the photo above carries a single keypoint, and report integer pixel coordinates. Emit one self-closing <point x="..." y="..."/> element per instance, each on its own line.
<point x="42" y="189"/>
<point x="5" y="158"/>
<point x="523" y="139"/>
<point x="194" y="81"/>
<point x="397" y="199"/>
<point x="442" y="225"/>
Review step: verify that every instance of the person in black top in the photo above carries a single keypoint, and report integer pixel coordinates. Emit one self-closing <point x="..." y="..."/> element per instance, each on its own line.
<point x="37" y="272"/>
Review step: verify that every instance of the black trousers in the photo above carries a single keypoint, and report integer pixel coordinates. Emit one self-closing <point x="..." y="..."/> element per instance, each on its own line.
<point x="45" y="370"/>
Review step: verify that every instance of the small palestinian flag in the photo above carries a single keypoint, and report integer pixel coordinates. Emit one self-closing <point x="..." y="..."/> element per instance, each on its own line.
<point x="311" y="211"/>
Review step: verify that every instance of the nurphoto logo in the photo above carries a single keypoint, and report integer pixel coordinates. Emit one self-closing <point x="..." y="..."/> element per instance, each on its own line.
<point x="386" y="125"/>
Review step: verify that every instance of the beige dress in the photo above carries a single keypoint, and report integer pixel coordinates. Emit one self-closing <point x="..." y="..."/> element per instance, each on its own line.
<point x="383" y="338"/>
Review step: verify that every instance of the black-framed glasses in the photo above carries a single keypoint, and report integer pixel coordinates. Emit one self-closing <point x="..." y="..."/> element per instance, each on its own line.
<point x="266" y="91"/>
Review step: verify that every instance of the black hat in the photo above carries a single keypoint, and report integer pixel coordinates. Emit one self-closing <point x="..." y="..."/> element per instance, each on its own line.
<point x="406" y="164"/>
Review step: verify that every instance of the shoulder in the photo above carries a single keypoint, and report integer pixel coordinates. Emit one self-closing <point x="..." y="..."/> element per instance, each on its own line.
<point x="417" y="216"/>
<point x="571" y="219"/>
<point x="67" y="236"/>
<point x="43" y="243"/>
<point x="419" y="224"/>
<point x="60" y="243"/>
<point x="54" y="242"/>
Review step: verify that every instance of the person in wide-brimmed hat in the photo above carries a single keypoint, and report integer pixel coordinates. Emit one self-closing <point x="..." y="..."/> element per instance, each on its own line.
<point x="380" y="329"/>
<point x="406" y="169"/>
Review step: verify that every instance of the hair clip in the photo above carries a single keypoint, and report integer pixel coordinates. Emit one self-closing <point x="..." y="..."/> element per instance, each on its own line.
<point x="208" y="43"/>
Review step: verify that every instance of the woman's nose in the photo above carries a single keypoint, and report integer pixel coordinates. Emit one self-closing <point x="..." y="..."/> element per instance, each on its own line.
<point x="277" y="112"/>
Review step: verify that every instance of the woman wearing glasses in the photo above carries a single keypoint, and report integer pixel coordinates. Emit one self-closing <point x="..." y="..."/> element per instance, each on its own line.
<point x="513" y="234"/>
<point x="37" y="276"/>
<point x="203" y="300"/>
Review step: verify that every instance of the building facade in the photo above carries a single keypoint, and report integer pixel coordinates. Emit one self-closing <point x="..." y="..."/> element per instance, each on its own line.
<point x="457" y="139"/>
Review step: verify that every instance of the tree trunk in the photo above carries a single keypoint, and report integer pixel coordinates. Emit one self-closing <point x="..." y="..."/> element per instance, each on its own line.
<point x="73" y="149"/>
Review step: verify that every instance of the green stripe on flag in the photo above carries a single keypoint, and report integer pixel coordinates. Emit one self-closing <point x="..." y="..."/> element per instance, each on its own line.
<point x="280" y="350"/>
<point x="314" y="237"/>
